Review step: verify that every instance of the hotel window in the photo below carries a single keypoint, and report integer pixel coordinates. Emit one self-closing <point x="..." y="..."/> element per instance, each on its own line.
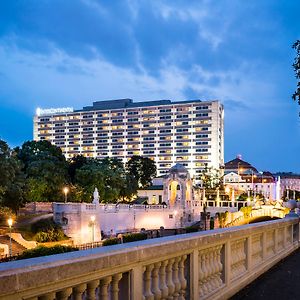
<point x="165" y="117"/>
<point x="165" y="151"/>
<point x="165" y="110"/>
<point x="201" y="107"/>
<point x="165" y="131"/>
<point x="182" y="116"/>
<point x="182" y="108"/>
<point x="202" y="143"/>
<point x="202" y="115"/>
<point x="149" y="152"/>
<point x="87" y="116"/>
<point x="133" y="112"/>
<point x="133" y="120"/>
<point x="182" y="150"/>
<point x="182" y="130"/>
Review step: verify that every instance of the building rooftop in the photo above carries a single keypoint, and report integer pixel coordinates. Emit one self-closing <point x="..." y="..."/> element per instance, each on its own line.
<point x="128" y="103"/>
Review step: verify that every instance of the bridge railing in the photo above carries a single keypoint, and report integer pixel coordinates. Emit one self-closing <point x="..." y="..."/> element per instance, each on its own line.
<point x="204" y="265"/>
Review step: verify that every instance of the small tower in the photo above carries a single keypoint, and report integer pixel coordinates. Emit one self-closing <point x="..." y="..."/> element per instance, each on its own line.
<point x="178" y="187"/>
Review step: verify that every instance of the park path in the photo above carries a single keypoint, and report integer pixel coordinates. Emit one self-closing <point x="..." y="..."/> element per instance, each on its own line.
<point x="279" y="283"/>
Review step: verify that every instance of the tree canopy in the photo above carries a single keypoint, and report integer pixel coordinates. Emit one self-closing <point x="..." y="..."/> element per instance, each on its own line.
<point x="296" y="66"/>
<point x="12" y="178"/>
<point x="143" y="169"/>
<point x="38" y="171"/>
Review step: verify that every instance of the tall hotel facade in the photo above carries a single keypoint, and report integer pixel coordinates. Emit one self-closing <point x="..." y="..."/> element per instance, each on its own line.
<point x="189" y="132"/>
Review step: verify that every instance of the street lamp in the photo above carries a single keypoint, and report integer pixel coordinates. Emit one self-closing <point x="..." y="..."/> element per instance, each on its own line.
<point x="66" y="190"/>
<point x="93" y="218"/>
<point x="10" y="223"/>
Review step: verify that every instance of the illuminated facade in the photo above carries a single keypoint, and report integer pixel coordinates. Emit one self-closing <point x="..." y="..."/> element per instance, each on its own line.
<point x="189" y="132"/>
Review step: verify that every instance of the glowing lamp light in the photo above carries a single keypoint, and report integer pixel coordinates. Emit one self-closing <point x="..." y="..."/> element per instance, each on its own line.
<point x="175" y="212"/>
<point x="227" y="189"/>
<point x="10" y="222"/>
<point x="93" y="218"/>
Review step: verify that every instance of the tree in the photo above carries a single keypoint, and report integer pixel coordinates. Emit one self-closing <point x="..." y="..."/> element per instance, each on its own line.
<point x="89" y="177"/>
<point x="210" y="178"/>
<point x="143" y="169"/>
<point x="74" y="164"/>
<point x="12" y="179"/>
<point x="129" y="188"/>
<point x="296" y="66"/>
<point x="46" y="170"/>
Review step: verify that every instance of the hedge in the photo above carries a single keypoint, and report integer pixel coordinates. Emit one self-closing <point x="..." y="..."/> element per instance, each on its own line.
<point x="45" y="251"/>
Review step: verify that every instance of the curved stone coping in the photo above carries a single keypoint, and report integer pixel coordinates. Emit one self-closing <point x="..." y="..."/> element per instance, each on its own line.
<point x="42" y="271"/>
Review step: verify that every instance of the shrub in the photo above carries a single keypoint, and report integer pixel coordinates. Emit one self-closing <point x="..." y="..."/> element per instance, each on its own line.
<point x="44" y="251"/>
<point x="246" y="211"/>
<point x="47" y="231"/>
<point x="132" y="237"/>
<point x="110" y="241"/>
<point x="190" y="229"/>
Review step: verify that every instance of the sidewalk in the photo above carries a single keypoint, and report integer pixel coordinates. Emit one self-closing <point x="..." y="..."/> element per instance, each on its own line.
<point x="279" y="283"/>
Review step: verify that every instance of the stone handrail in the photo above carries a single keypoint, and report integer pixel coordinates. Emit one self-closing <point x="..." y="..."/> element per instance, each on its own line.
<point x="19" y="239"/>
<point x="203" y="265"/>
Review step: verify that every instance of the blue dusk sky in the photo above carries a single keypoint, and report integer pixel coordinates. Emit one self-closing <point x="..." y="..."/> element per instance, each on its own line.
<point x="61" y="53"/>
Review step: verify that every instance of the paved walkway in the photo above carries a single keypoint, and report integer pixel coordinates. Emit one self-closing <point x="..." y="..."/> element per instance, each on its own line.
<point x="279" y="283"/>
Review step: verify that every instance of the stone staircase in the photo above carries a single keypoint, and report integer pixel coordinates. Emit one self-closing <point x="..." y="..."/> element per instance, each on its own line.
<point x="16" y="247"/>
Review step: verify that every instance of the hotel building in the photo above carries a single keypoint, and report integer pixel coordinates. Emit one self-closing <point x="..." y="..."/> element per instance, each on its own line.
<point x="189" y="132"/>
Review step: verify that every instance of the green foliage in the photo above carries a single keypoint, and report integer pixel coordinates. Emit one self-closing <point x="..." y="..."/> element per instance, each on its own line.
<point x="74" y="164"/>
<point x="110" y="241"/>
<point x="5" y="214"/>
<point x="246" y="211"/>
<point x="222" y="217"/>
<point x="45" y="251"/>
<point x="190" y="229"/>
<point x="47" y="231"/>
<point x="296" y="66"/>
<point x="211" y="223"/>
<point x="210" y="178"/>
<point x="132" y="237"/>
<point x="143" y="169"/>
<point x="12" y="179"/>
<point x="46" y="170"/>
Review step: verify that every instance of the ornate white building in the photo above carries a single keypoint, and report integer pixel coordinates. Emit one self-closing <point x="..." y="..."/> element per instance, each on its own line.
<point x="84" y="221"/>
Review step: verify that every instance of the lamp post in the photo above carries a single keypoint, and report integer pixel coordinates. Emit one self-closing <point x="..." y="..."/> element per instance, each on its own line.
<point x="93" y="218"/>
<point x="66" y="190"/>
<point x="10" y="223"/>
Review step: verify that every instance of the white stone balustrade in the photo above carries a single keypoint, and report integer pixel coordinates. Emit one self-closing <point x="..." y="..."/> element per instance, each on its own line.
<point x="204" y="265"/>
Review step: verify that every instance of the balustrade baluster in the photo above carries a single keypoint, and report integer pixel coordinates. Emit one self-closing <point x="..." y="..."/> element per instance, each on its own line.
<point x="176" y="278"/>
<point x="202" y="273"/>
<point x="155" y="282"/>
<point x="78" y="291"/>
<point x="115" y="286"/>
<point x="182" y="280"/>
<point x="91" y="289"/>
<point x="104" y="283"/>
<point x="148" y="293"/>
<point x="171" y="286"/>
<point x="48" y="296"/>
<point x="64" y="294"/>
<point x="162" y="280"/>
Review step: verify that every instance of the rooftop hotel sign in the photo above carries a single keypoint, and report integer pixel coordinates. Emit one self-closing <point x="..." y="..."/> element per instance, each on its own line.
<point x="52" y="111"/>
